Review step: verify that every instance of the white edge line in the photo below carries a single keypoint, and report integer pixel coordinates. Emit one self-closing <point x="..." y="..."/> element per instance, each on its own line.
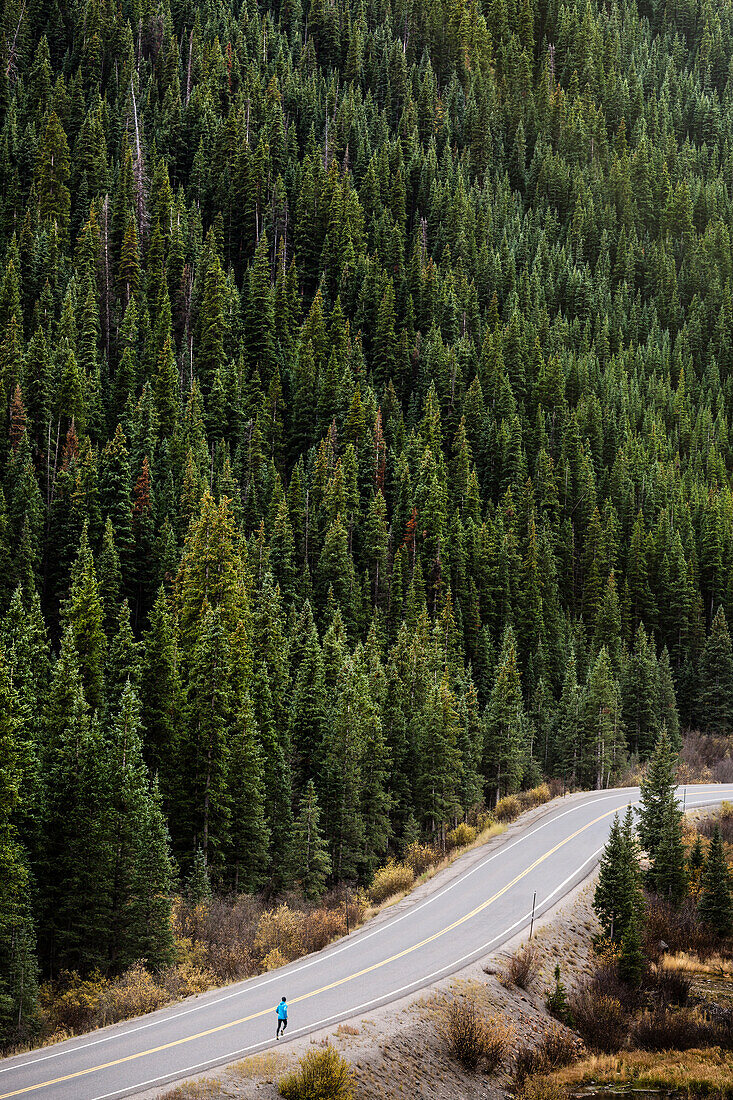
<point x="384" y="998"/>
<point x="251" y="984"/>
<point x="419" y="982"/>
<point x="277" y="975"/>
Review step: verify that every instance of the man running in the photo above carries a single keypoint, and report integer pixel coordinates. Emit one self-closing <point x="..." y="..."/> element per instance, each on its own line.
<point x="282" y="1017"/>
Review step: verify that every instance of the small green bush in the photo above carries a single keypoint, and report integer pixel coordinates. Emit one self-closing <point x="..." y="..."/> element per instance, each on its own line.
<point x="391" y="879"/>
<point x="322" y="1075"/>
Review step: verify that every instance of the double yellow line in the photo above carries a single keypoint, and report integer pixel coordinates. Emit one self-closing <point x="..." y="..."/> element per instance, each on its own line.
<point x="323" y="988"/>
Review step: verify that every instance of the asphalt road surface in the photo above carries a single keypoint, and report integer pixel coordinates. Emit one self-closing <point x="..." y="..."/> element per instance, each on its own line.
<point x="465" y="919"/>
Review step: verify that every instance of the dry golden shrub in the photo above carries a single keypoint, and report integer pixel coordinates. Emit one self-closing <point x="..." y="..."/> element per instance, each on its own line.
<point x="421" y="857"/>
<point x="507" y="808"/>
<point x="273" y="960"/>
<point x="135" y="993"/>
<point x="279" y="929"/>
<point x="472" y="1038"/>
<point x="322" y="1075"/>
<point x="393" y="878"/>
<point x="320" y="926"/>
<point x="462" y="835"/>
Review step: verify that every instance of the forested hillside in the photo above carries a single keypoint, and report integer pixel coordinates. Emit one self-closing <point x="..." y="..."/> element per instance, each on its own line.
<point x="367" y="376"/>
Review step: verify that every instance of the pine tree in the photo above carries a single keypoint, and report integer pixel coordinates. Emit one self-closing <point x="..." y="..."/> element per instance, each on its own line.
<point x="715" y="693"/>
<point x="505" y="724"/>
<point x="275" y="753"/>
<point x="200" y="794"/>
<point x="667" y="874"/>
<point x="311" y="862"/>
<point x="657" y="798"/>
<point x="617" y="896"/>
<point x="715" y="903"/>
<point x="631" y="961"/>
<point x="161" y="696"/>
<point x="141" y="871"/>
<point x="198" y="886"/>
<point x="18" y="969"/>
<point x="83" y="612"/>
<point x="695" y="867"/>
<point x="52" y="173"/>
<point x="249" y="853"/>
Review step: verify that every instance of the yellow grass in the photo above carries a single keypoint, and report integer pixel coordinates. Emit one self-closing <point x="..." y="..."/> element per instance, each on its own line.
<point x="715" y="965"/>
<point x="698" y="1072"/>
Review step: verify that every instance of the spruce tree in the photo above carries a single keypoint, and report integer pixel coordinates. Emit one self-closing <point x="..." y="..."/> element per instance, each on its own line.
<point x="84" y="613"/>
<point x="248" y="855"/>
<point x="667" y="874"/>
<point x="311" y="861"/>
<point x="715" y="692"/>
<point x="657" y="798"/>
<point x="505" y="724"/>
<point x="617" y="899"/>
<point x="715" y="903"/>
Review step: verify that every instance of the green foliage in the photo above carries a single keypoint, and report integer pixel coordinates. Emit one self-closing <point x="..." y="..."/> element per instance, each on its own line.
<point x="311" y="862"/>
<point x="659" y="806"/>
<point x="715" y="903"/>
<point x="617" y="900"/>
<point x="367" y="407"/>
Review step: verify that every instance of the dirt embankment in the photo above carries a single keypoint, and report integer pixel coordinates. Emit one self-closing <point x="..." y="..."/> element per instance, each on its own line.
<point x="398" y="1051"/>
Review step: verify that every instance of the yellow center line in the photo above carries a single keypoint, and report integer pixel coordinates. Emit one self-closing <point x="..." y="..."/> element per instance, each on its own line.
<point x="323" y="988"/>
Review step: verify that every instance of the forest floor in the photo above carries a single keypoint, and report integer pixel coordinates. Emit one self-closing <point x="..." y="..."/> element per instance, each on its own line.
<point x="398" y="1050"/>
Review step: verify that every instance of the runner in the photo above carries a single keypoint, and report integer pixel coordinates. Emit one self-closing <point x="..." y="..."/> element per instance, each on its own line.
<point x="282" y="1017"/>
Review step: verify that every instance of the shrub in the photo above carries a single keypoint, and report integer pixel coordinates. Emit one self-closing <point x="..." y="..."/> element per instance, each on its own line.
<point x="186" y="980"/>
<point x="71" y="1004"/>
<point x="472" y="1039"/>
<point x="279" y="930"/>
<point x="273" y="960"/>
<point x="663" y="1029"/>
<point x="393" y="878"/>
<point x="679" y="928"/>
<point x="558" y="1047"/>
<point x="465" y="1032"/>
<point x="462" y="835"/>
<point x="507" y="808"/>
<point x="683" y="1029"/>
<point x="323" y="925"/>
<point x="322" y="1075"/>
<point x="421" y="857"/>
<point x="726" y="811"/>
<point x="135" y="993"/>
<point x="497" y="1037"/>
<point x="672" y="986"/>
<point x="600" y="1019"/>
<point x="536" y="796"/>
<point x="484" y="820"/>
<point x="541" y="1088"/>
<point x="522" y="968"/>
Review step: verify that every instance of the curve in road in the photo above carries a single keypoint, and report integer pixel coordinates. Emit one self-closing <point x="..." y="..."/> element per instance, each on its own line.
<point x="449" y="928"/>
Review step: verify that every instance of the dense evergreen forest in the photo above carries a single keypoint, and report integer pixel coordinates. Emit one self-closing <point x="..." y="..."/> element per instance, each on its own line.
<point x="366" y="378"/>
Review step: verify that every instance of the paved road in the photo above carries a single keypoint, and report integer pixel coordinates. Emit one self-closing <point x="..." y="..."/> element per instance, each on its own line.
<point x="468" y="917"/>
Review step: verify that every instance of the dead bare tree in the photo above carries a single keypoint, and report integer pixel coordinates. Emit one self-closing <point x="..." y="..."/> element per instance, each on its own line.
<point x="10" y="68"/>
<point x="138" y="169"/>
